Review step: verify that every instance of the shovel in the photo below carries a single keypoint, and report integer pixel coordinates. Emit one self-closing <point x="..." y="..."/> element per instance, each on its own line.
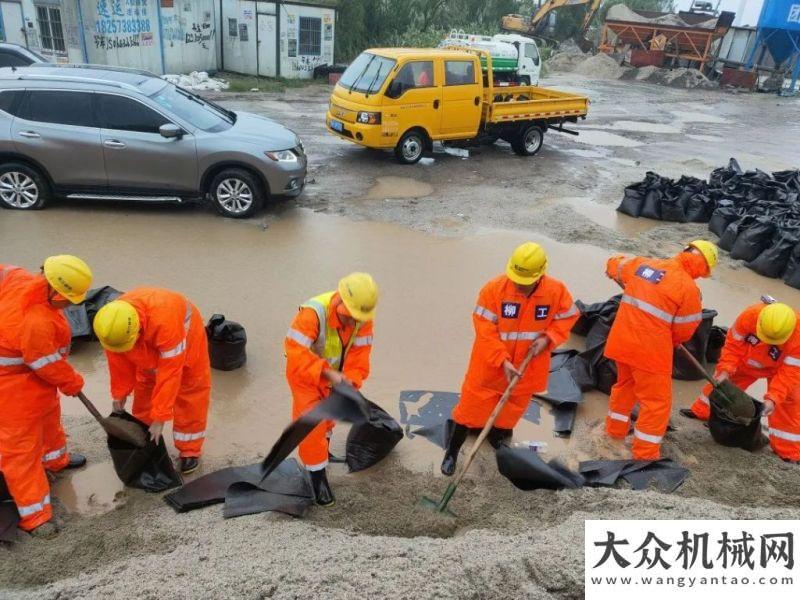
<point x="441" y="505"/>
<point x="126" y="431"/>
<point x="736" y="405"/>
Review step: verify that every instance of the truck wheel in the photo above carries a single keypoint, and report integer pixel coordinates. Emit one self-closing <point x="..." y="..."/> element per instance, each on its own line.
<point x="410" y="147"/>
<point x="529" y="141"/>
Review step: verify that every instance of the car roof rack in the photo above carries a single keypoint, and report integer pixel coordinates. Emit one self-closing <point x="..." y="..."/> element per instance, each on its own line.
<point x="111" y="68"/>
<point x="72" y="79"/>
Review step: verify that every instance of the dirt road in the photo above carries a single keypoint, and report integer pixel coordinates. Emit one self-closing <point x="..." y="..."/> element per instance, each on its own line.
<point x="431" y="234"/>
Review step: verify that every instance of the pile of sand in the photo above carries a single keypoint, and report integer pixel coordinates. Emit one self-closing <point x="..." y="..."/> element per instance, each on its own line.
<point x="679" y="78"/>
<point x="600" y="66"/>
<point x="568" y="57"/>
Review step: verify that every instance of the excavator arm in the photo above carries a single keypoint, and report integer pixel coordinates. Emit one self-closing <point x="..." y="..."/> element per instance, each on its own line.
<point x="537" y="21"/>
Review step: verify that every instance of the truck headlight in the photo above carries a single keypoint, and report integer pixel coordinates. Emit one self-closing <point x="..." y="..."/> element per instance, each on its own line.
<point x="282" y="156"/>
<point x="369" y="118"/>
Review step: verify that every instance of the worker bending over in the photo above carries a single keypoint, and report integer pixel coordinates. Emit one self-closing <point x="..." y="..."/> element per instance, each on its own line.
<point x="764" y="343"/>
<point x="156" y="347"/>
<point x="660" y="308"/>
<point x="328" y="342"/>
<point x="516" y="310"/>
<point x="34" y="344"/>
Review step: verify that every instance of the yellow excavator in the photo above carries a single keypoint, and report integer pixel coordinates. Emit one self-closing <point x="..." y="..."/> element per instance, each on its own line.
<point x="536" y="24"/>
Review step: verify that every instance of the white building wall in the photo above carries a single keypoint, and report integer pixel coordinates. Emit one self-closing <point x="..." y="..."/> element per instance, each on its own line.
<point x="189" y="34"/>
<point x="11" y="14"/>
<point x="293" y="63"/>
<point x="238" y="36"/>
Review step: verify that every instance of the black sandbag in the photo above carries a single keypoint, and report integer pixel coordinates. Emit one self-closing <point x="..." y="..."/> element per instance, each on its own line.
<point x="699" y="208"/>
<point x="370" y="442"/>
<point x="733" y="230"/>
<point x="227" y="341"/>
<point x="791" y="276"/>
<point x="651" y="207"/>
<point x="723" y="175"/>
<point x="684" y="370"/>
<point x="606" y="377"/>
<point x="773" y="261"/>
<point x="753" y="241"/>
<point x="591" y="312"/>
<point x="527" y="471"/>
<point x="735" y="432"/>
<point x="149" y="468"/>
<point x="81" y="316"/>
<point x="673" y="209"/>
<point x="721" y="218"/>
<point x="599" y="333"/>
<point x="716" y="340"/>
<point x="632" y="201"/>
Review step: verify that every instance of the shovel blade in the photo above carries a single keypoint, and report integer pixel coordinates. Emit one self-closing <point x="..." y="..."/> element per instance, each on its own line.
<point x="436" y="506"/>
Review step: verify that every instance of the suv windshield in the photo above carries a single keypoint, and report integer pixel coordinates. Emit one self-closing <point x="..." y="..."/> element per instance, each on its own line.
<point x="193" y="109"/>
<point x="367" y="73"/>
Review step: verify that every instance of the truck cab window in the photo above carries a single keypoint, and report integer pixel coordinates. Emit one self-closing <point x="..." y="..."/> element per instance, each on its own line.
<point x="417" y="74"/>
<point x="459" y="72"/>
<point x="532" y="52"/>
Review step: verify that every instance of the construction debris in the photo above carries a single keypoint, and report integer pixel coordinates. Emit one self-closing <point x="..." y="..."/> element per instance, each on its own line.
<point x="600" y="66"/>
<point x="197" y="81"/>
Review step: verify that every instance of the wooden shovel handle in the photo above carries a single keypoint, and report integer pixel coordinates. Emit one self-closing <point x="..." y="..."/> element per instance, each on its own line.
<point x="92" y="408"/>
<point x="696" y="363"/>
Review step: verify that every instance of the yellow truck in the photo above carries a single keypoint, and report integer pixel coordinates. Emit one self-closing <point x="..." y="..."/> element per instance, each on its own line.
<point x="407" y="98"/>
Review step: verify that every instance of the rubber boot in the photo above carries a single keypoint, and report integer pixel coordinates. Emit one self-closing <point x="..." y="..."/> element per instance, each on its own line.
<point x="688" y="413"/>
<point x="497" y="437"/>
<point x="456" y="434"/>
<point x="322" y="489"/>
<point x="189" y="464"/>
<point x="76" y="461"/>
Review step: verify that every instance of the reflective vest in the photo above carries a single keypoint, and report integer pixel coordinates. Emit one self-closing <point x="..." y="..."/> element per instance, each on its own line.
<point x="328" y="345"/>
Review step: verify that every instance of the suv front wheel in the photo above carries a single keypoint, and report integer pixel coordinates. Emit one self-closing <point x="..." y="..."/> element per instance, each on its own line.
<point x="21" y="187"/>
<point x="236" y="193"/>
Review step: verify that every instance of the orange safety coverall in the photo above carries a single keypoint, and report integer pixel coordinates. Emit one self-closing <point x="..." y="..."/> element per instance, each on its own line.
<point x="168" y="370"/>
<point x="506" y="322"/>
<point x="34" y="343"/>
<point x="661" y="307"/>
<point x="304" y="369"/>
<point x="746" y="359"/>
<point x="11" y="277"/>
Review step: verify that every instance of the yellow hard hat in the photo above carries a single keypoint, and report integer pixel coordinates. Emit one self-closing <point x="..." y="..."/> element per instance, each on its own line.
<point x="776" y="323"/>
<point x="708" y="250"/>
<point x="69" y="276"/>
<point x="527" y="264"/>
<point x="359" y="293"/>
<point x="117" y="326"/>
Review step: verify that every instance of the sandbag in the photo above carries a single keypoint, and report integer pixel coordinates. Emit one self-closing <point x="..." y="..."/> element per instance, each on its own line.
<point x="81" y="316"/>
<point x="591" y="312"/>
<point x="791" y="276"/>
<point x="732" y="232"/>
<point x="735" y="432"/>
<point x="599" y="333"/>
<point x="149" y="468"/>
<point x="632" y="201"/>
<point x="753" y="241"/>
<point x="606" y="377"/>
<point x="527" y="471"/>
<point x="721" y="218"/>
<point x="371" y="441"/>
<point x="699" y="208"/>
<point x="651" y="207"/>
<point x="716" y="340"/>
<point x="682" y="369"/>
<point x="226" y="343"/>
<point x="774" y="261"/>
<point x="672" y="209"/>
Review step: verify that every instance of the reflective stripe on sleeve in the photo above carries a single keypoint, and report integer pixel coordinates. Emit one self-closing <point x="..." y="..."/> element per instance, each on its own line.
<point x="704" y="399"/>
<point x="42" y="362"/>
<point x="486" y="314"/>
<point x="737" y="336"/>
<point x="55" y="454"/>
<point x="784" y="435"/>
<point x="300" y="338"/>
<point x="364" y="340"/>
<point x="317" y="467"/>
<point x="176" y="351"/>
<point x="688" y="318"/>
<point x="573" y="310"/>
<point x="617" y="416"/>
<point x="32" y="509"/>
<point x="646" y="437"/>
<point x="179" y="436"/>
<point x="754" y="363"/>
<point x="648" y="308"/>
<point x="792" y="361"/>
<point x="507" y="336"/>
<point x="11" y="361"/>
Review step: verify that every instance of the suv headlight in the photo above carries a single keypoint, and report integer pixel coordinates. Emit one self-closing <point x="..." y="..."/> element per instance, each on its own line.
<point x="282" y="156"/>
<point x="370" y="118"/>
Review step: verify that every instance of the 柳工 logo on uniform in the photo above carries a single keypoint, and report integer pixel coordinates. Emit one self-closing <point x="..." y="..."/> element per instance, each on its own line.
<point x="542" y="311"/>
<point x="650" y="274"/>
<point x="510" y="310"/>
<point x="774" y="353"/>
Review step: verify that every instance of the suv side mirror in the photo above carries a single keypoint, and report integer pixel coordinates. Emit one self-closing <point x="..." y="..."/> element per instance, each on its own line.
<point x="395" y="89"/>
<point x="170" y="130"/>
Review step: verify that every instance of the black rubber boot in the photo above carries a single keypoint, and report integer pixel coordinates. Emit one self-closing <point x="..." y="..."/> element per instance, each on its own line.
<point x="76" y="461"/>
<point x="189" y="464"/>
<point x="456" y="434"/>
<point x="322" y="489"/>
<point x="497" y="437"/>
<point x="688" y="413"/>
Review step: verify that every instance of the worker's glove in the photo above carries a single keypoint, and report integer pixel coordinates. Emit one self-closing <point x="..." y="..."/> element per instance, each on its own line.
<point x="510" y="370"/>
<point x="540" y="345"/>
<point x="74" y="387"/>
<point x="335" y="377"/>
<point x="118" y="406"/>
<point x="156" y="429"/>
<point x="769" y="407"/>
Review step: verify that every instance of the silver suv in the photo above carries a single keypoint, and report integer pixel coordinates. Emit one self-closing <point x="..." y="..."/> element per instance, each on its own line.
<point x="92" y="132"/>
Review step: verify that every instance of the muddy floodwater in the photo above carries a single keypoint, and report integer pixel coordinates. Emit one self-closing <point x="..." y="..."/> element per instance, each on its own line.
<point x="257" y="272"/>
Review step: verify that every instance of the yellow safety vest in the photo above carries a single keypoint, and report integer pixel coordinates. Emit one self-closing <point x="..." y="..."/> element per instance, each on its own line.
<point x="328" y="345"/>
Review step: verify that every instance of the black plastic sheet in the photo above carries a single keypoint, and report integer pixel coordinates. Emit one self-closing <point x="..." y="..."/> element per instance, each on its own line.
<point x="9" y="517"/>
<point x="527" y="471"/>
<point x="735" y="432"/>
<point x="665" y="474"/>
<point x="149" y="468"/>
<point x="227" y="341"/>
<point x="590" y="313"/>
<point x="371" y="441"/>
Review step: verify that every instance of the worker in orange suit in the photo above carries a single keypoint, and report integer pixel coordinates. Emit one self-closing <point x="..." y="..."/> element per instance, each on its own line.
<point x="516" y="310"/>
<point x="660" y="308"/>
<point x="34" y="344"/>
<point x="328" y="342"/>
<point x="10" y="276"/>
<point x="156" y="347"/>
<point x="764" y="343"/>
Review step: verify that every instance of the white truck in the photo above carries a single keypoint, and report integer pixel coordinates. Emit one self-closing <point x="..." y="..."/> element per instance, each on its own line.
<point x="515" y="58"/>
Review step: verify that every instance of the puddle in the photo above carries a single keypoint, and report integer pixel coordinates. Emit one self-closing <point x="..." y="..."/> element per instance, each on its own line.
<point x="259" y="277"/>
<point x="697" y="117"/>
<point x="597" y="137"/>
<point x="607" y="216"/>
<point x="639" y="127"/>
<point x="584" y="153"/>
<point x="398" y="187"/>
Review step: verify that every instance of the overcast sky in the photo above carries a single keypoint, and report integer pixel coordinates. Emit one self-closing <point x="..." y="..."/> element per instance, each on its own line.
<point x="744" y="16"/>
